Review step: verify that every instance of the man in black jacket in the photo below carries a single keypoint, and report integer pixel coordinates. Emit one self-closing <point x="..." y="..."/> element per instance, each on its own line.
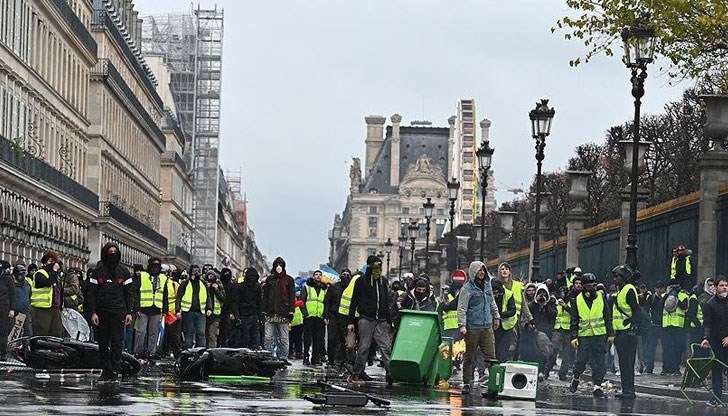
<point x="654" y="334"/>
<point x="111" y="303"/>
<point x="7" y="308"/>
<point x="370" y="300"/>
<point x="715" y="315"/>
<point x="279" y="302"/>
<point x="336" y="323"/>
<point x="245" y="309"/>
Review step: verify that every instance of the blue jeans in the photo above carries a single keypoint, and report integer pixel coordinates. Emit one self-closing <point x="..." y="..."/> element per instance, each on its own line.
<point x="276" y="338"/>
<point x="193" y="328"/>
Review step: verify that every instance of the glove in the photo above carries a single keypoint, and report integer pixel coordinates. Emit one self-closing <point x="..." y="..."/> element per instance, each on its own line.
<point x="610" y="340"/>
<point x="575" y="343"/>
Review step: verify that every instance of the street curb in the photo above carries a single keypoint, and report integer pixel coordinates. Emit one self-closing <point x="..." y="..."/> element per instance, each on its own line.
<point x="662" y="391"/>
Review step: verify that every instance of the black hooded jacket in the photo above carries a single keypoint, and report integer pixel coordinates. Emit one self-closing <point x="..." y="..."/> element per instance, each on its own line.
<point x="332" y="300"/>
<point x="111" y="286"/>
<point x="370" y="298"/>
<point x="279" y="293"/>
<point x="247" y="298"/>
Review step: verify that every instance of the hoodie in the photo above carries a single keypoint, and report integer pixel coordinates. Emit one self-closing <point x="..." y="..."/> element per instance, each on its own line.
<point x="477" y="308"/>
<point x="544" y="313"/>
<point x="370" y="296"/>
<point x="111" y="286"/>
<point x="332" y="300"/>
<point x="525" y="311"/>
<point x="279" y="293"/>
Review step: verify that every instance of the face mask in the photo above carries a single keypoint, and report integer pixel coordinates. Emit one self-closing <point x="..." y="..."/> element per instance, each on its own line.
<point x="723" y="295"/>
<point x="279" y="269"/>
<point x="155" y="269"/>
<point x="376" y="270"/>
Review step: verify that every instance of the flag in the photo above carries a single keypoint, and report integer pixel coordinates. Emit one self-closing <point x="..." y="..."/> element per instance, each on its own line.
<point x="328" y="273"/>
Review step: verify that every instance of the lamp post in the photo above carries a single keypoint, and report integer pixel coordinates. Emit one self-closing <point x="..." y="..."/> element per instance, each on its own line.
<point x="429" y="209"/>
<point x="541" y="118"/>
<point x="402" y="244"/>
<point x="639" y="48"/>
<point x="412" y="231"/>
<point x="452" y="194"/>
<point x="388" y="249"/>
<point x="485" y="157"/>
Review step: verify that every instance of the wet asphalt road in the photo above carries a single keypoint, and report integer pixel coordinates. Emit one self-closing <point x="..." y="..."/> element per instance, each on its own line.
<point x="156" y="391"/>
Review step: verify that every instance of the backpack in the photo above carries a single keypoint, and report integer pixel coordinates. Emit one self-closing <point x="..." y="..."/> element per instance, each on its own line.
<point x="543" y="344"/>
<point x="670" y="304"/>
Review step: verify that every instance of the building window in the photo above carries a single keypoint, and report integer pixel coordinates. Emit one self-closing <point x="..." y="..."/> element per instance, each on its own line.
<point x="373" y="210"/>
<point x="405" y="210"/>
<point x="467" y="194"/>
<point x="371" y="252"/>
<point x="441" y="211"/>
<point x="468" y="213"/>
<point x="422" y="211"/>
<point x="373" y="222"/>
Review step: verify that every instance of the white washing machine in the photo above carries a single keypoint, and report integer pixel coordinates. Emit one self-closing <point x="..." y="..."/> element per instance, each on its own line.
<point x="520" y="380"/>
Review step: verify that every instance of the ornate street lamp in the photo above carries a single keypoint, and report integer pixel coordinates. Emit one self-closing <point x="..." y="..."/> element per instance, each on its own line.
<point x="429" y="209"/>
<point x="541" y="118"/>
<point x="402" y="244"/>
<point x="485" y="157"/>
<point x="412" y="232"/>
<point x="639" y="50"/>
<point x="452" y="194"/>
<point x="388" y="249"/>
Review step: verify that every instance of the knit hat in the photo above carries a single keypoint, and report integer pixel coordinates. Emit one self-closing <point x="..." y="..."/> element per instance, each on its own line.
<point x="373" y="259"/>
<point x="251" y="272"/>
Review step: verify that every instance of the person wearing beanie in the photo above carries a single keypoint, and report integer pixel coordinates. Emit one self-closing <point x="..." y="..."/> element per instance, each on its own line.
<point x="478" y="318"/>
<point x="279" y="304"/>
<point x="370" y="301"/>
<point x="192" y="298"/>
<point x="419" y="298"/>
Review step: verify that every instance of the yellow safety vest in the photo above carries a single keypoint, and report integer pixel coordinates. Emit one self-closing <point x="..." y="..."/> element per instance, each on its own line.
<point x="618" y="316"/>
<point x="508" y="323"/>
<point x="186" y="301"/>
<point x="673" y="267"/>
<point x="297" y="317"/>
<point x="41" y="297"/>
<point x="315" y="302"/>
<point x="698" y="312"/>
<point x="563" y="319"/>
<point x="345" y="303"/>
<point x="450" y="318"/>
<point x="216" y="305"/>
<point x="147" y="295"/>
<point x="517" y="290"/>
<point x="591" y="321"/>
<point x="172" y="288"/>
<point x="677" y="317"/>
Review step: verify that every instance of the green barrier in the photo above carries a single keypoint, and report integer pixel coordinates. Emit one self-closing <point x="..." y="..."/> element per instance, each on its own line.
<point x="419" y="354"/>
<point x="240" y="379"/>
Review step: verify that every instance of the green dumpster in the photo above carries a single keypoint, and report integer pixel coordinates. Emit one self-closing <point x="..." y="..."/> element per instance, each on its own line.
<point x="441" y="368"/>
<point x="415" y="347"/>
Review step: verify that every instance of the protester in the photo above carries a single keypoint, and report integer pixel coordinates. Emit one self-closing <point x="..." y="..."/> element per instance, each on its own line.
<point x="682" y="272"/>
<point x="335" y="322"/>
<point x="478" y="317"/>
<point x="22" y="298"/>
<point x="227" y="326"/>
<point x="626" y="318"/>
<point x="245" y="309"/>
<point x="148" y="315"/>
<point x="72" y="294"/>
<point x="715" y="316"/>
<point x="560" y="340"/>
<point x="504" y="335"/>
<point x="46" y="298"/>
<point x="278" y="305"/>
<point x="314" y="327"/>
<point x="419" y="298"/>
<point x="543" y="310"/>
<point x="192" y="300"/>
<point x="7" y="308"/>
<point x="111" y="303"/>
<point x="213" y="309"/>
<point x="674" y="309"/>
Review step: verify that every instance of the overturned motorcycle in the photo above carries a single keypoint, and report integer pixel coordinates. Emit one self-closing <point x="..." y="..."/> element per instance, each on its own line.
<point x="200" y="363"/>
<point x="53" y="353"/>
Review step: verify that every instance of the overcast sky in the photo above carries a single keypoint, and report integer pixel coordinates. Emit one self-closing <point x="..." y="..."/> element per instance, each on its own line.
<point x="299" y="76"/>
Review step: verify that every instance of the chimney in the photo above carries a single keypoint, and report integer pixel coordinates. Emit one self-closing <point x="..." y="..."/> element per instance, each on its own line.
<point x="394" y="161"/>
<point x="485" y="130"/>
<point x="374" y="140"/>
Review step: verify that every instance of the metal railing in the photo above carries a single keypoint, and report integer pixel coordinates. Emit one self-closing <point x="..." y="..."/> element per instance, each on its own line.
<point x="180" y="253"/>
<point x="108" y="209"/>
<point x="76" y="25"/>
<point x="42" y="171"/>
<point x="174" y="157"/>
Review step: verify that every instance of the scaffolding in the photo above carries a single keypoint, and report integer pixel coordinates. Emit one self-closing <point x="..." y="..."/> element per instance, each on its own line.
<point x="192" y="47"/>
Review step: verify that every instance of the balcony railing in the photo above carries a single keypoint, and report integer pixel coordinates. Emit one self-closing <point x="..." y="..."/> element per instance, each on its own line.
<point x="108" y="209"/>
<point x="180" y="253"/>
<point x="105" y="68"/>
<point x="46" y="173"/>
<point x="76" y="25"/>
<point x="101" y="20"/>
<point x="174" y="157"/>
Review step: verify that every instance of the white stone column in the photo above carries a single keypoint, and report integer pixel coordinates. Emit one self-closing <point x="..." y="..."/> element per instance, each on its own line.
<point x="394" y="159"/>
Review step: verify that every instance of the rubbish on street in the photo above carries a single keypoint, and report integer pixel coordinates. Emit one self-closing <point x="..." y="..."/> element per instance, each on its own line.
<point x="513" y="379"/>
<point x="334" y="395"/>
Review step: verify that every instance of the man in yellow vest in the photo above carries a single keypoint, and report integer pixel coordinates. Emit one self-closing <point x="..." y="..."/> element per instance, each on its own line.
<point x="149" y="309"/>
<point x="682" y="272"/>
<point x="313" y="294"/>
<point x="561" y="337"/>
<point x="523" y="312"/>
<point x="674" y="309"/>
<point x="192" y="300"/>
<point x="626" y="316"/>
<point x="505" y="333"/>
<point x="591" y="332"/>
<point x="172" y="342"/>
<point x="46" y="297"/>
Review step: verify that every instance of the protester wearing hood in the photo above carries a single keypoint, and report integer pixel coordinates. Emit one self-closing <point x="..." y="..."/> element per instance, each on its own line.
<point x="505" y="335"/>
<point x="560" y="340"/>
<point x="22" y="297"/>
<point x="192" y="300"/>
<point x="448" y="307"/>
<point x="72" y="294"/>
<point x="335" y="322"/>
<point x="111" y="303"/>
<point x="478" y="317"/>
<point x="543" y="310"/>
<point x="7" y="308"/>
<point x="591" y="330"/>
<point x="279" y="303"/>
<point x="245" y="307"/>
<point x="627" y="317"/>
<point x="370" y="300"/>
<point x="313" y="294"/>
<point x="228" y="284"/>
<point x="419" y="298"/>
<point x="682" y="272"/>
<point x="694" y="316"/>
<point x="46" y="299"/>
<point x="716" y="334"/>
